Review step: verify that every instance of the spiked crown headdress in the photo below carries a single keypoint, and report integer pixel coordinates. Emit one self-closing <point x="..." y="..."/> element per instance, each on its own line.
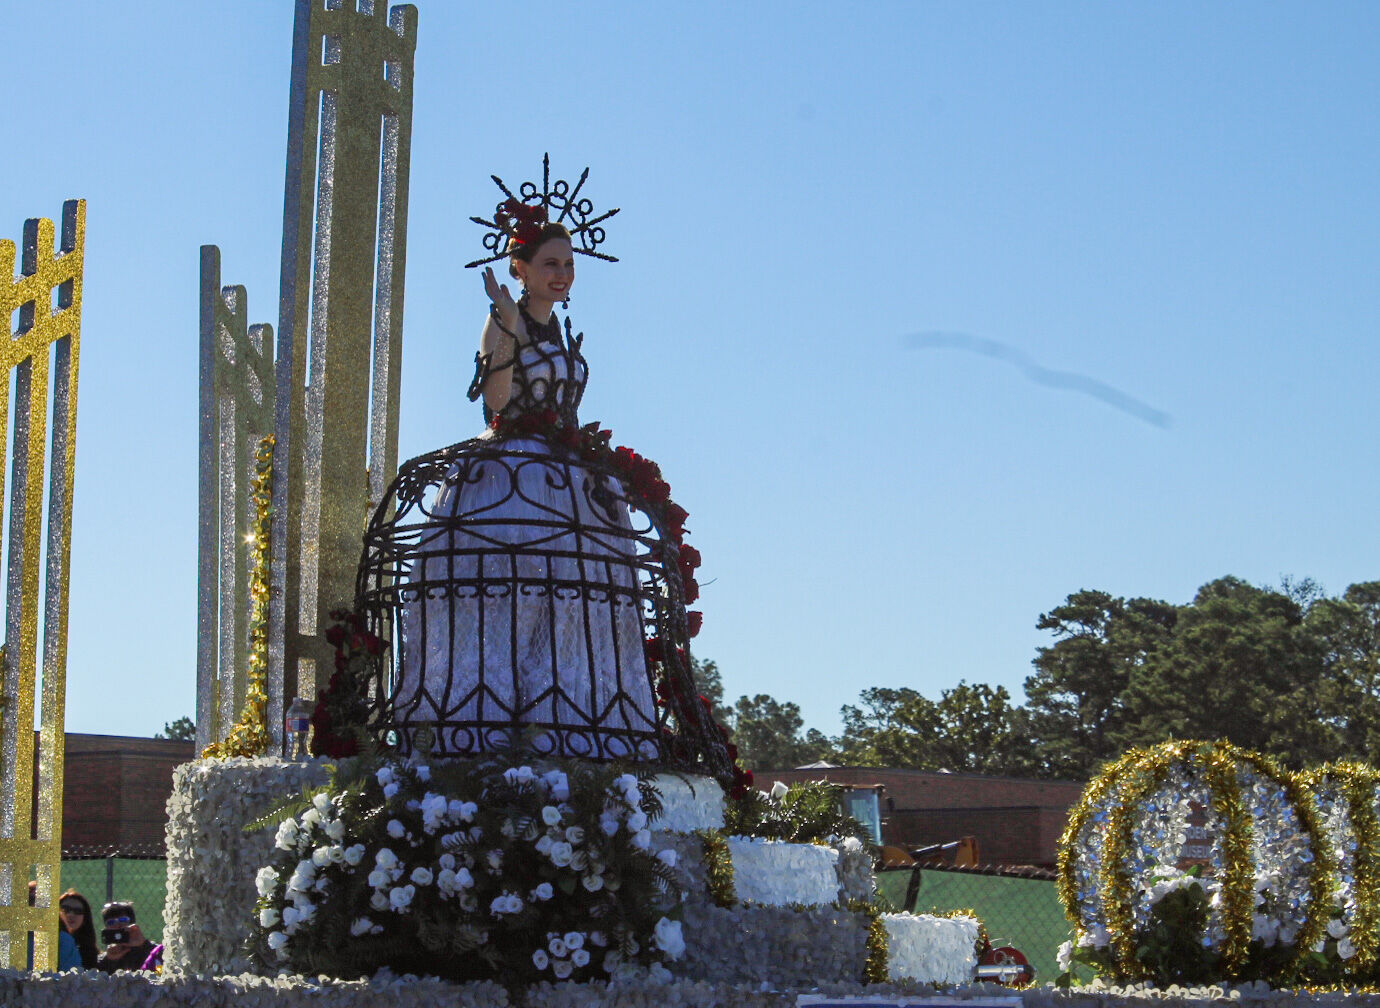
<point x="519" y="218"/>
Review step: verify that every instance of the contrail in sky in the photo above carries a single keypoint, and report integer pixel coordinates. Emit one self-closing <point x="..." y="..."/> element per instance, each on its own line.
<point x="1042" y="375"/>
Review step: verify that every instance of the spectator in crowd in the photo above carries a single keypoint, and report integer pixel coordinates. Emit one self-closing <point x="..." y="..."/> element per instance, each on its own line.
<point x="68" y="956"/>
<point x="75" y="913"/>
<point x="126" y="948"/>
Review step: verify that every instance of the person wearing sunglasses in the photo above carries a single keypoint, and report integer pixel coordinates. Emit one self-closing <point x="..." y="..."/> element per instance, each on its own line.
<point x="126" y="948"/>
<point x="75" y="913"/>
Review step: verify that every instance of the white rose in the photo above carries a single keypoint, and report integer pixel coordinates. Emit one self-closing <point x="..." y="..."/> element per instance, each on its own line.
<point x="321" y="857"/>
<point x="556" y="946"/>
<point x="447" y="861"/>
<point x="445" y="881"/>
<point x="268" y="917"/>
<point x="560" y="854"/>
<point x="573" y="940"/>
<point x="562" y="968"/>
<point x="322" y="801"/>
<point x="592" y="883"/>
<point x="540" y="959"/>
<point x="434" y="808"/>
<point x="550" y="815"/>
<point x="669" y="939"/>
<point x="378" y="901"/>
<point x="543" y="844"/>
<point x="286" y="838"/>
<point x="400" y="898"/>
<point x="542" y="892"/>
<point x="1337" y="928"/>
<point x="462" y="811"/>
<point x="659" y="974"/>
<point x="379" y="879"/>
<point x="579" y="958"/>
<point x="1345" y="949"/>
<point x="575" y="834"/>
<point x="558" y="784"/>
<point x="277" y="941"/>
<point x="1064" y="957"/>
<point x="421" y="876"/>
<point x="778" y="791"/>
<point x="637" y="821"/>
<point x="385" y="775"/>
<point x="396" y="829"/>
<point x="335" y="829"/>
<point x="495" y="859"/>
<point x="667" y="857"/>
<point x="386" y="859"/>
<point x="290" y="916"/>
<point x="642" y="839"/>
<point x="360" y="926"/>
<point x="389" y="790"/>
<point x="265" y="881"/>
<point x="423" y="772"/>
<point x="519" y="775"/>
<point x="608" y="824"/>
<point x="463" y="878"/>
<point x="354" y="855"/>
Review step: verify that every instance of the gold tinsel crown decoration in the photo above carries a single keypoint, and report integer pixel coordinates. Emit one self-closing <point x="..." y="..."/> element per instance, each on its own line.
<point x="518" y="217"/>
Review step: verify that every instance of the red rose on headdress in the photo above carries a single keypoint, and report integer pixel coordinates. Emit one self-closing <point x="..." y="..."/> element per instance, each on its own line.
<point x="694" y="619"/>
<point x="524" y="221"/>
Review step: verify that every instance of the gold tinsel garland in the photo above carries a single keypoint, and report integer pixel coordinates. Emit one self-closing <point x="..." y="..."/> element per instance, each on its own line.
<point x="1323" y="866"/>
<point x="1071" y="839"/>
<point x="878" y="953"/>
<point x="1131" y="779"/>
<point x="1356" y="784"/>
<point x="250" y="735"/>
<point x="718" y="868"/>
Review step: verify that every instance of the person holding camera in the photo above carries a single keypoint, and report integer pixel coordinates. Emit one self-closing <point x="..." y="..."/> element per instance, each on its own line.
<point x="126" y="948"/>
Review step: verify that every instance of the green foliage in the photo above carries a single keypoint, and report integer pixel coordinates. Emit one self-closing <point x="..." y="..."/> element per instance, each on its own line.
<point x="971" y="728"/>
<point x="806" y="812"/>
<point x="181" y="730"/>
<point x="768" y="734"/>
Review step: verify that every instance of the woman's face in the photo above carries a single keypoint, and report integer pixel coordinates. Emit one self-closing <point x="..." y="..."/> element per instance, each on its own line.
<point x="73" y="913"/>
<point x="551" y="272"/>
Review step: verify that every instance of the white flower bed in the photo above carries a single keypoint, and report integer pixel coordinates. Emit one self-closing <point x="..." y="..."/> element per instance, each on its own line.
<point x="930" y="949"/>
<point x="778" y="873"/>
<point x="689" y="804"/>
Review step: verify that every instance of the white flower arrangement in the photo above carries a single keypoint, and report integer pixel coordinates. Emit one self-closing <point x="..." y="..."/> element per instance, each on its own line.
<point x="469" y="870"/>
<point x="778" y="873"/>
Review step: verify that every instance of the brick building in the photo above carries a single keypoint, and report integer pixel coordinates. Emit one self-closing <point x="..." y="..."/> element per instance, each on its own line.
<point x="1016" y="821"/>
<point x="115" y="790"/>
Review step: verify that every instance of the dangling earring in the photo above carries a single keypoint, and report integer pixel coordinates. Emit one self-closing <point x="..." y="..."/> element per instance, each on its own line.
<point x="565" y="305"/>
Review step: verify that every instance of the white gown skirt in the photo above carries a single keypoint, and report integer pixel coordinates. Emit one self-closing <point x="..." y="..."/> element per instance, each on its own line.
<point x="523" y="612"/>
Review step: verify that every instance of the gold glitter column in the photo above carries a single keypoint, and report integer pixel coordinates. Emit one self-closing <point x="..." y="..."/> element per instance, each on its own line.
<point x="236" y="417"/>
<point x="340" y="322"/>
<point x="39" y="353"/>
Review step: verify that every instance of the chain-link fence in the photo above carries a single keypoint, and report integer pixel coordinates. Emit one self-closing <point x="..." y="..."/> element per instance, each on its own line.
<point x="103" y="874"/>
<point x="1019" y="906"/>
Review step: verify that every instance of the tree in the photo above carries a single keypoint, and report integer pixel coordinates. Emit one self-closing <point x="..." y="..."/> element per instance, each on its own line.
<point x="768" y="734"/>
<point x="181" y="730"/>
<point x="1075" y="702"/>
<point x="1347" y="630"/>
<point x="711" y="687"/>
<point x="971" y="728"/>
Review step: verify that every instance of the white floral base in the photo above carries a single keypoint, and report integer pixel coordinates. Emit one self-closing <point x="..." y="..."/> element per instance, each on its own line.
<point x="786" y="932"/>
<point x="781" y="874"/>
<point x="931" y="949"/>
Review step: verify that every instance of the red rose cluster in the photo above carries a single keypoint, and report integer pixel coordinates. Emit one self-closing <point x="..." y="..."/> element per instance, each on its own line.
<point x="523" y="220"/>
<point x="340" y="709"/>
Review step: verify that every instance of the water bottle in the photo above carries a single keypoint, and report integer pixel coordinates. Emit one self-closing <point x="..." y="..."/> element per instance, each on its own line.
<point x="298" y="721"/>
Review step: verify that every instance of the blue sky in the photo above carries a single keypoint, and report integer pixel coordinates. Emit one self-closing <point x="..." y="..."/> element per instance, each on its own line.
<point x="932" y="313"/>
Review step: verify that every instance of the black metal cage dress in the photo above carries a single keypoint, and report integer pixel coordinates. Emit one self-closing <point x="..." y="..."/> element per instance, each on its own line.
<point x="518" y="578"/>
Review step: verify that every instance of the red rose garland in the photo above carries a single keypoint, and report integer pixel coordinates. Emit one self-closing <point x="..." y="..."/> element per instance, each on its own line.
<point x="340" y="713"/>
<point x="643" y="478"/>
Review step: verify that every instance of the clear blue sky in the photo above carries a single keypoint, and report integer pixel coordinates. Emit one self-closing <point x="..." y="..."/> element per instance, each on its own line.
<point x="860" y="244"/>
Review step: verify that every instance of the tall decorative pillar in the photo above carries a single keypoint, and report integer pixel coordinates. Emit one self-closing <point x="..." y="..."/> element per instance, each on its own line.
<point x="40" y="363"/>
<point x="340" y="318"/>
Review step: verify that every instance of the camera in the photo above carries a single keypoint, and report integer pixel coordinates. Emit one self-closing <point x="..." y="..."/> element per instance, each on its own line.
<point x="114" y="936"/>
